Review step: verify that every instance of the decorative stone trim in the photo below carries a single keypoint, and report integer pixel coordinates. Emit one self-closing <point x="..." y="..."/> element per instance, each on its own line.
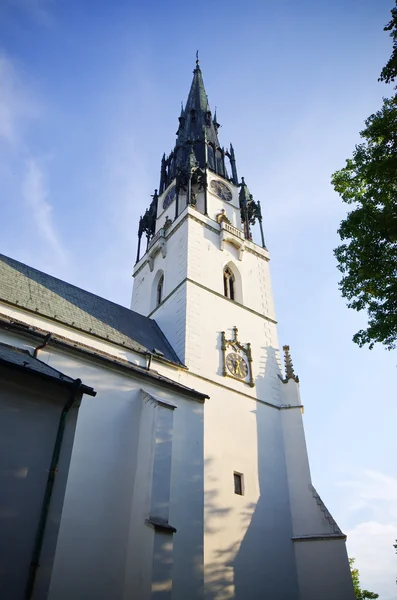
<point x="156" y="245"/>
<point x="156" y="400"/>
<point x="244" y="349"/>
<point x="205" y="222"/>
<point x="187" y="279"/>
<point x="239" y="392"/>
<point x="319" y="537"/>
<point x="221" y="217"/>
<point x="232" y="235"/>
<point x="333" y="524"/>
<point x="289" y="367"/>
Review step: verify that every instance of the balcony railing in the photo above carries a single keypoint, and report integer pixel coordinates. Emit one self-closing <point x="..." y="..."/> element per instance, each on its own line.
<point x="230" y="229"/>
<point x="155" y="238"/>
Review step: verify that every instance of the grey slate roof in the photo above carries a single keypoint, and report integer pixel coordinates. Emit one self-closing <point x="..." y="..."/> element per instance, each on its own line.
<point x="48" y="296"/>
<point x="21" y="358"/>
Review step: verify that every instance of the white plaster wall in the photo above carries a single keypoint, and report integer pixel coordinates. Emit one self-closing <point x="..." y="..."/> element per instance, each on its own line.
<point x="192" y="317"/>
<point x="105" y="549"/>
<point x="30" y="415"/>
<point x="266" y="445"/>
<point x="247" y="537"/>
<point x="207" y="316"/>
<point x="187" y="501"/>
<point x="206" y="263"/>
<point x="307" y="517"/>
<point x="323" y="570"/>
<point x="174" y="266"/>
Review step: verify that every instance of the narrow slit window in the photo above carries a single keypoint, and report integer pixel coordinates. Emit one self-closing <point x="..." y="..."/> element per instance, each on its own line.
<point x="160" y="286"/>
<point x="231" y="288"/>
<point x="238" y="483"/>
<point x="228" y="283"/>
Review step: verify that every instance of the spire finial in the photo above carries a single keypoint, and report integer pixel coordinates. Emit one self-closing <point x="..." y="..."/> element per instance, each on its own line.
<point x="289" y="367"/>
<point x="197" y="58"/>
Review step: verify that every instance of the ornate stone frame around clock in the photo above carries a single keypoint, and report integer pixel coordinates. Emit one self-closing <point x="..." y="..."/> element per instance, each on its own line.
<point x="244" y="348"/>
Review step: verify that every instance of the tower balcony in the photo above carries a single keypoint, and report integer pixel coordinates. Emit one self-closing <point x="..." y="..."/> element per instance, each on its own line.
<point x="229" y="233"/>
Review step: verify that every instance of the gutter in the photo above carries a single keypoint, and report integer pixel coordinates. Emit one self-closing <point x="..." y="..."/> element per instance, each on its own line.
<point x="93" y="353"/>
<point x="76" y="391"/>
<point x="85" y="389"/>
<point x="43" y="345"/>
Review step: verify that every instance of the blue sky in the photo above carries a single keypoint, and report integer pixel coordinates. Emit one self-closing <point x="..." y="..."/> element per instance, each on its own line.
<point x="89" y="99"/>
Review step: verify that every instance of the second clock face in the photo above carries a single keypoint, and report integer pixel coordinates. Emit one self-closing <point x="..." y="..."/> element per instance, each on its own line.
<point x="221" y="190"/>
<point x="169" y="198"/>
<point x="237" y="365"/>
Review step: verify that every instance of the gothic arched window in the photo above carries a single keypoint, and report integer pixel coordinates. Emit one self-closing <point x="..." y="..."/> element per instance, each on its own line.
<point x="228" y="283"/>
<point x="159" y="295"/>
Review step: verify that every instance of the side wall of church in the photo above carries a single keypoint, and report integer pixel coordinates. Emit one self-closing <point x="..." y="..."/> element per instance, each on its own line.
<point x="323" y="570"/>
<point x="136" y="466"/>
<point x="30" y="412"/>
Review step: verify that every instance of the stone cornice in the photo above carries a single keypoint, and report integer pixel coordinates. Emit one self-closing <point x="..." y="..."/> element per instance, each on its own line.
<point x="111" y="360"/>
<point x="208" y="223"/>
<point x="319" y="537"/>
<point x="200" y="285"/>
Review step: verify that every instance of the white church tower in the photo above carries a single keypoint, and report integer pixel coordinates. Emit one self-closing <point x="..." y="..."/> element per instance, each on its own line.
<point x="265" y="533"/>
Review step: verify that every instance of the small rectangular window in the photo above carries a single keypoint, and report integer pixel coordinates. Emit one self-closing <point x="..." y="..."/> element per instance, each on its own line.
<point x="238" y="483"/>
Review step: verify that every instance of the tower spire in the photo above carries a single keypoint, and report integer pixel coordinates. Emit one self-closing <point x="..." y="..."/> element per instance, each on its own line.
<point x="197" y="138"/>
<point x="197" y="114"/>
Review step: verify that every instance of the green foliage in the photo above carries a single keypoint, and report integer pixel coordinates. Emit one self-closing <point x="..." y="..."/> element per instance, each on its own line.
<point x="359" y="593"/>
<point x="355" y="578"/>
<point x="367" y="258"/>
<point x="389" y="71"/>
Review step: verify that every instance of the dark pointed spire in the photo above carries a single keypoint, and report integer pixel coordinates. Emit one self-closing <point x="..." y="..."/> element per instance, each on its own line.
<point x="197" y="130"/>
<point x="196" y="117"/>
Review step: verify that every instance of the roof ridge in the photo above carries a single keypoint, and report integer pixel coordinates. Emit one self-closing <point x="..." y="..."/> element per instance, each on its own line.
<point x="41" y="293"/>
<point x="72" y="285"/>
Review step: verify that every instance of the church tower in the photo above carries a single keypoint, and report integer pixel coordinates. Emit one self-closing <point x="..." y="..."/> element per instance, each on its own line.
<point x="201" y="277"/>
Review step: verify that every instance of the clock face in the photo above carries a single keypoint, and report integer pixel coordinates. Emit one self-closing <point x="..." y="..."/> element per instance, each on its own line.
<point x="169" y="198"/>
<point x="237" y="365"/>
<point x="221" y="190"/>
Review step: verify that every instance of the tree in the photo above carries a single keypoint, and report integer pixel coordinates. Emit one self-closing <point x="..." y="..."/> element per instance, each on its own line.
<point x="389" y="71"/>
<point x="367" y="258"/>
<point x="359" y="593"/>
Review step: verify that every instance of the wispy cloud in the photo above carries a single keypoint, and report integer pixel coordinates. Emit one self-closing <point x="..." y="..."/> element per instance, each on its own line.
<point x="19" y="105"/>
<point x="35" y="193"/>
<point x="372" y="504"/>
<point x="38" y="10"/>
<point x="374" y="492"/>
<point x="16" y="103"/>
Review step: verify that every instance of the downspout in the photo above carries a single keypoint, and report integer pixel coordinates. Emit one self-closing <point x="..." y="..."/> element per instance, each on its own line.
<point x="149" y="362"/>
<point x="38" y="544"/>
<point x="42" y="345"/>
